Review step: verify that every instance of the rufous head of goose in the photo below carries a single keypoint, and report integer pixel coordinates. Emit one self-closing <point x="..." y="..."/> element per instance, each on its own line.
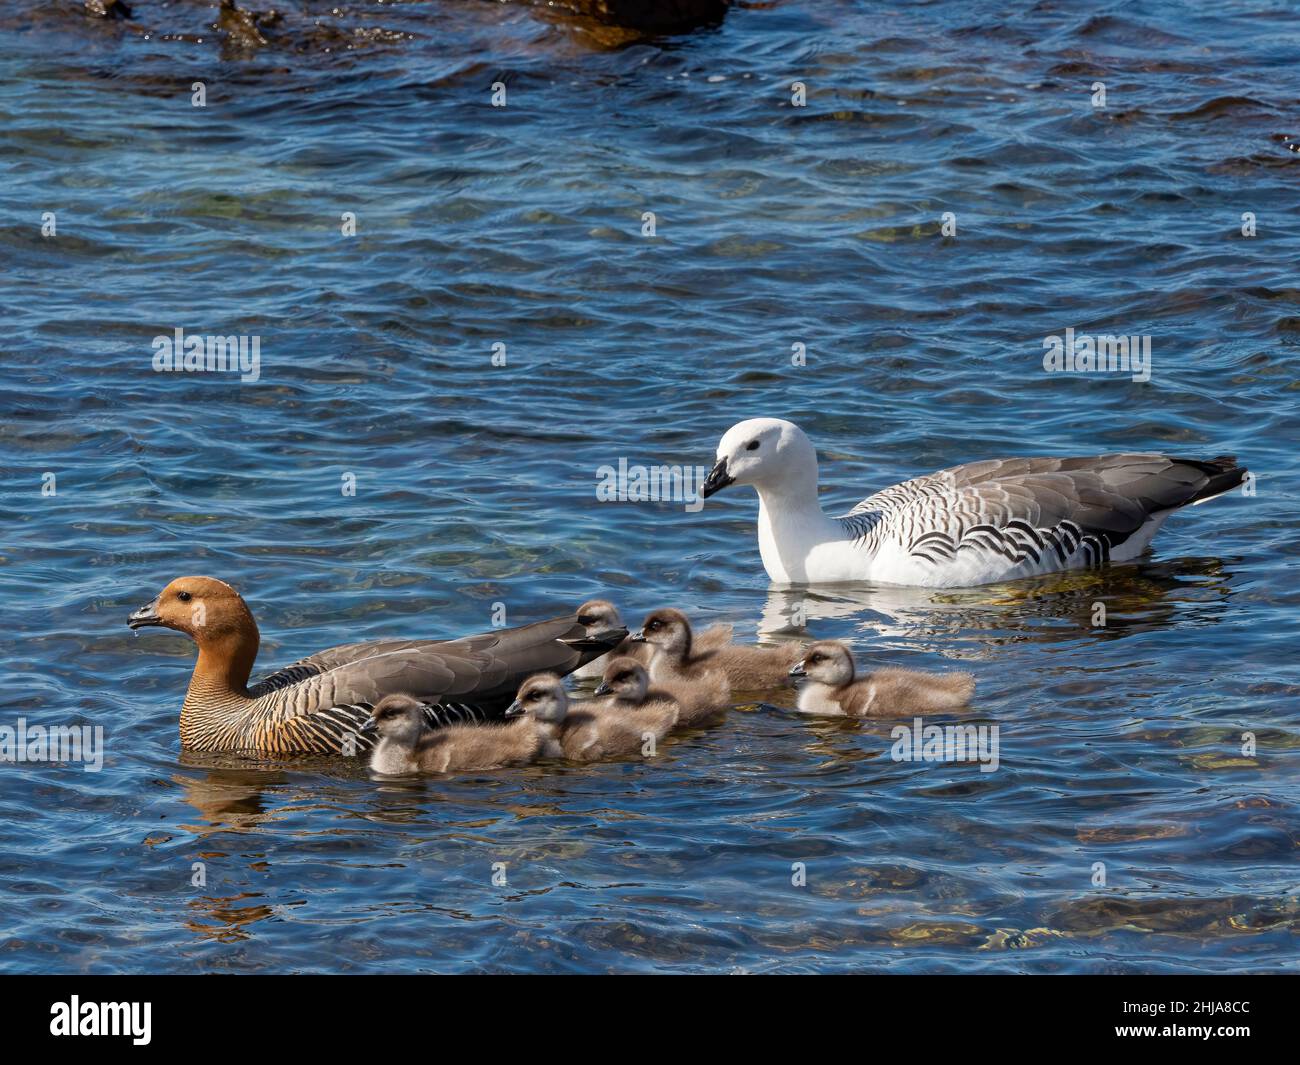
<point x="543" y="696"/>
<point x="215" y="617"/>
<point x="763" y="451"/>
<point x="398" y="718"/>
<point x="826" y="662"/>
<point x="669" y="631"/>
<point x="602" y="624"/>
<point x="625" y="678"/>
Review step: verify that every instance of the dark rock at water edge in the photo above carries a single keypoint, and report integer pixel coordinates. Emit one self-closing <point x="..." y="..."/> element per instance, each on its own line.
<point x="108" y="9"/>
<point x="244" y="28"/>
<point x="648" y="16"/>
<point x="297" y="24"/>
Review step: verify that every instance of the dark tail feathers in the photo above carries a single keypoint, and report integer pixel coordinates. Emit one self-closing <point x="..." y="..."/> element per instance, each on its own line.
<point x="1222" y="473"/>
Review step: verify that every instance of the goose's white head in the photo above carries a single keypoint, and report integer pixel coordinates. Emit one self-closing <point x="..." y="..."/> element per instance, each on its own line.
<point x="764" y="452"/>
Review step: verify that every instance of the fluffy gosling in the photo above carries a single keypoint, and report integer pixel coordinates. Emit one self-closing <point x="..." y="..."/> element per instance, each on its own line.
<point x="407" y="744"/>
<point x="625" y="691"/>
<point x="834" y="688"/>
<point x="696" y="678"/>
<point x="582" y="733"/>
<point x="601" y="616"/>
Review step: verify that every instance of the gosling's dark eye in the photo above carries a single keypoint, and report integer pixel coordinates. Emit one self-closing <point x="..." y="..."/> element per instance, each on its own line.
<point x="184" y="597"/>
<point x="653" y="625"/>
<point x="752" y="446"/>
<point x="622" y="678"/>
<point x="586" y="619"/>
<point x="815" y="658"/>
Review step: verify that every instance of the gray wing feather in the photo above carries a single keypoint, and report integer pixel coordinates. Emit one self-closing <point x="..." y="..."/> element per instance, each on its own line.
<point x="485" y="670"/>
<point x="1004" y="504"/>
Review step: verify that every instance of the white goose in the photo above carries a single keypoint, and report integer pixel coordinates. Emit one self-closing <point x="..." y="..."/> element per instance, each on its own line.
<point x="996" y="520"/>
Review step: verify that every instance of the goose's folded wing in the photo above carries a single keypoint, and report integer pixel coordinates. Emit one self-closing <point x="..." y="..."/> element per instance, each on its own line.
<point x="481" y="670"/>
<point x="1022" y="508"/>
<point x="422" y="673"/>
<point x="942" y="482"/>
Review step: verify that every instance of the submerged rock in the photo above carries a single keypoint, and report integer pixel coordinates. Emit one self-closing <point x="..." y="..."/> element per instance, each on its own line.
<point x="243" y="27"/>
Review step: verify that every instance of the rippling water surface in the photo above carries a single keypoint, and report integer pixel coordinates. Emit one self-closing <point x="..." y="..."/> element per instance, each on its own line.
<point x="475" y="484"/>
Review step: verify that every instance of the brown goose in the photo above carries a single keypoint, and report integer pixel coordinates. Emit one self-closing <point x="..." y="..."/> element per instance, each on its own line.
<point x="318" y="705"/>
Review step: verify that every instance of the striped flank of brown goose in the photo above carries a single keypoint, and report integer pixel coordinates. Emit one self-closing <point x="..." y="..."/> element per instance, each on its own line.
<point x="318" y="705"/>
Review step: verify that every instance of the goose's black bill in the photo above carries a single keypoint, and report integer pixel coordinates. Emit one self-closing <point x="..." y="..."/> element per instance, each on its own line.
<point x="717" y="479"/>
<point x="603" y="641"/>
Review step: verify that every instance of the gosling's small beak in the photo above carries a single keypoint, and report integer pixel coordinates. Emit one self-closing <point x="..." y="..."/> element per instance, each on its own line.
<point x="637" y="637"/>
<point x="717" y="479"/>
<point x="797" y="670"/>
<point x="515" y="709"/>
<point x="597" y="641"/>
<point x="146" y="615"/>
<point x="603" y="689"/>
<point x="369" y="724"/>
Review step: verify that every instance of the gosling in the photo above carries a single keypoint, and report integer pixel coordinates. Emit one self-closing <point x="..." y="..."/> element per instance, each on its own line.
<point x="408" y="744"/>
<point x="544" y="705"/>
<point x="748" y="667"/>
<point x="626" y="692"/>
<point x="698" y="679"/>
<point x="578" y="734"/>
<point x="833" y="687"/>
<point x="600" y="616"/>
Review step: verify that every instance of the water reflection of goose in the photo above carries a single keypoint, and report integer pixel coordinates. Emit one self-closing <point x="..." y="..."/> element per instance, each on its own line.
<point x="227" y="798"/>
<point x="973" y="622"/>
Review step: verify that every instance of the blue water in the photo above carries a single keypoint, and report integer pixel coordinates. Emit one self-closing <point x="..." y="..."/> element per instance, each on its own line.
<point x="475" y="483"/>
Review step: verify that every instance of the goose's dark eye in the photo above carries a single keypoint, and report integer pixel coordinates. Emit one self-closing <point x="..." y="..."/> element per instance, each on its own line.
<point x="586" y="619"/>
<point x="622" y="678"/>
<point x="653" y="625"/>
<point x="184" y="597"/>
<point x="815" y="659"/>
<point x="752" y="446"/>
